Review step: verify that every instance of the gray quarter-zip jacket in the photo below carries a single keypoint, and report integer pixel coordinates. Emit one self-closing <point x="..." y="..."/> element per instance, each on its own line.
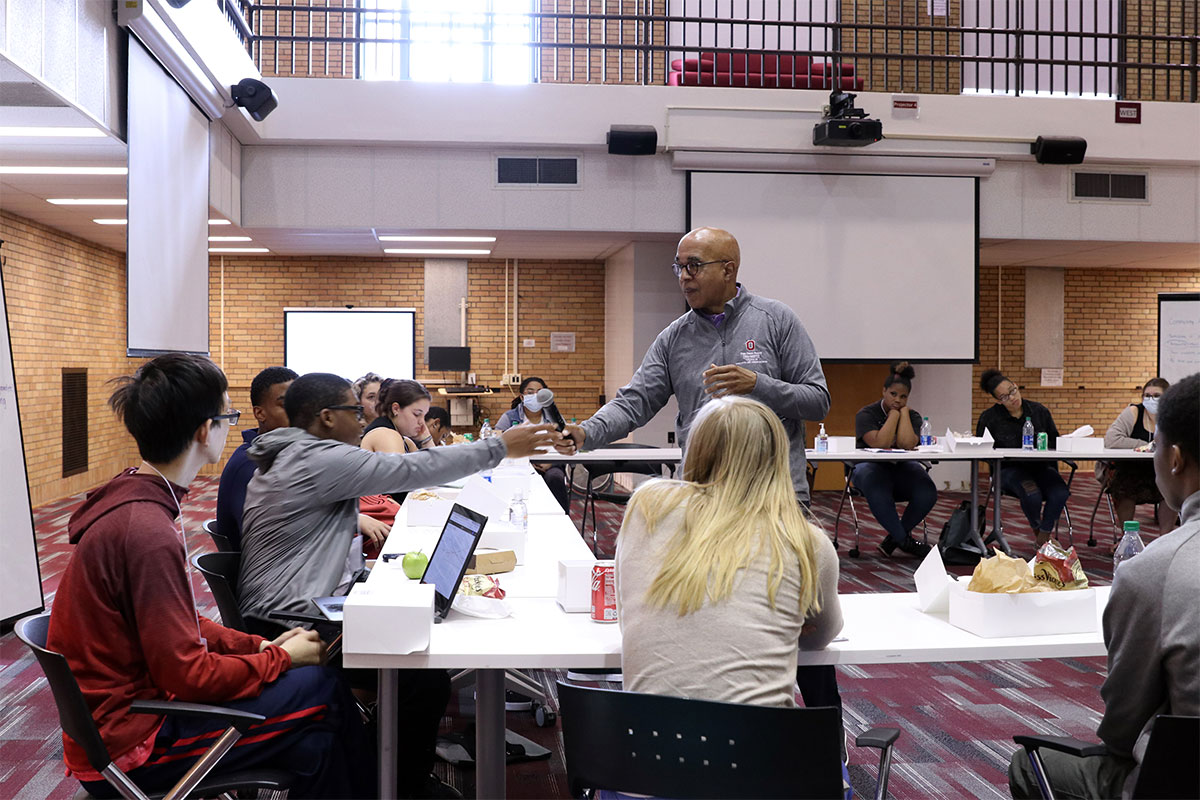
<point x="759" y="334"/>
<point x="301" y="509"/>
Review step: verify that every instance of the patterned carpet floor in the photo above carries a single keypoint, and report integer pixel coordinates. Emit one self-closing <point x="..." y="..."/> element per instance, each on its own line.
<point x="957" y="718"/>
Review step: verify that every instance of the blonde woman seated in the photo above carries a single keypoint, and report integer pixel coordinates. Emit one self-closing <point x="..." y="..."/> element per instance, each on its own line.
<point x="400" y="426"/>
<point x="720" y="578"/>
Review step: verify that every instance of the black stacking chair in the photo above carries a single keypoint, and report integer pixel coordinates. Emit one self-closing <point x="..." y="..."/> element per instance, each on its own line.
<point x="597" y="470"/>
<point x="1066" y="510"/>
<point x="221" y="571"/>
<point x="1168" y="769"/>
<point x="203" y="780"/>
<point x="848" y="494"/>
<point x="222" y="543"/>
<point x="676" y="747"/>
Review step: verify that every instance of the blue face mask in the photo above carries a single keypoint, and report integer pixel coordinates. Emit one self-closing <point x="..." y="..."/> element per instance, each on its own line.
<point x="531" y="402"/>
<point x="1151" y="404"/>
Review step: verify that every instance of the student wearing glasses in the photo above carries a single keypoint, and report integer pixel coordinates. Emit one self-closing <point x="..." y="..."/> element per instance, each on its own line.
<point x="1131" y="482"/>
<point x="1037" y="484"/>
<point x="300" y="518"/>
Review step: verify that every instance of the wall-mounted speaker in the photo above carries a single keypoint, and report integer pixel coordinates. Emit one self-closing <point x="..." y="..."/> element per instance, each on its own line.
<point x="1059" y="149"/>
<point x="632" y="140"/>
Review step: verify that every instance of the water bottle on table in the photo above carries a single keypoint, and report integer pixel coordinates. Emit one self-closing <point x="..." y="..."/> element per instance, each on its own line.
<point x="1027" y="434"/>
<point x="926" y="432"/>
<point x="822" y="440"/>
<point x="486" y="432"/>
<point x="518" y="512"/>
<point x="1131" y="544"/>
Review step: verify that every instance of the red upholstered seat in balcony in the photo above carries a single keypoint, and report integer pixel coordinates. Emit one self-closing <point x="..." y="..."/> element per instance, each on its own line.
<point x="754" y="80"/>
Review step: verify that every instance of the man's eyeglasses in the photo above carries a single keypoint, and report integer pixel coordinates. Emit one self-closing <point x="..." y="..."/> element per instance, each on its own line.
<point x="232" y="416"/>
<point x="1010" y="394"/>
<point x="692" y="267"/>
<point x="358" y="410"/>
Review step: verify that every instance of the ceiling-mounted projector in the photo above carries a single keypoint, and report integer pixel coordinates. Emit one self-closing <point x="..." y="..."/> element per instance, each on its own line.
<point x="846" y="126"/>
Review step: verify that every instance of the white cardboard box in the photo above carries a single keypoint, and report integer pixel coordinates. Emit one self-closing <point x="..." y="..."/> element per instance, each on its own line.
<point x="395" y="617"/>
<point x="431" y="512"/>
<point x="841" y="444"/>
<point x="968" y="444"/>
<point x="575" y="585"/>
<point x="503" y="535"/>
<point x="1079" y="444"/>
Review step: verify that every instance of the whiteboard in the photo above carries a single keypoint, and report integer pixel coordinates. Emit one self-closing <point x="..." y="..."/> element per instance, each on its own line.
<point x="350" y="343"/>
<point x="20" y="576"/>
<point x="1178" y="335"/>
<point x="877" y="267"/>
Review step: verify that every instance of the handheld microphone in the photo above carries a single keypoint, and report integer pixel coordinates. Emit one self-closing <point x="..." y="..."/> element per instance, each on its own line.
<point x="550" y="412"/>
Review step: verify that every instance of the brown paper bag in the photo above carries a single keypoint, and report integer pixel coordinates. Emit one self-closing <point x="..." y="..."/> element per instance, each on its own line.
<point x="1003" y="574"/>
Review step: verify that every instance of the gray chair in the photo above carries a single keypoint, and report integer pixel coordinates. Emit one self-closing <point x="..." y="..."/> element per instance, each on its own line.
<point x="677" y="747"/>
<point x="77" y="722"/>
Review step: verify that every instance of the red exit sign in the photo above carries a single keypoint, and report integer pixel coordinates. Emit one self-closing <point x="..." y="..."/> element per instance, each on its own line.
<point x="1130" y="113"/>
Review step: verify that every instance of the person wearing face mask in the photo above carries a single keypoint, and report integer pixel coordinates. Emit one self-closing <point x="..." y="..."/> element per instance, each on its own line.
<point x="1132" y="482"/>
<point x="1037" y="484"/>
<point x="527" y="409"/>
<point x="891" y="424"/>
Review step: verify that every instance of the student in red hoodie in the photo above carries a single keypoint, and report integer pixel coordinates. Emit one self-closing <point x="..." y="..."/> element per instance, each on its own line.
<point x="125" y="617"/>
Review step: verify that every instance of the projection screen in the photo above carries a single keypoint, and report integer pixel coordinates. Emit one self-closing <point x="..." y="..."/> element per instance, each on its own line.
<point x="878" y="267"/>
<point x="349" y="342"/>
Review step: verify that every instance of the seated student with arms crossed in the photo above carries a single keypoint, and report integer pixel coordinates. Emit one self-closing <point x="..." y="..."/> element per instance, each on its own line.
<point x="1033" y="482"/>
<point x="719" y="576"/>
<point x="891" y="425"/>
<point x="125" y="619"/>
<point x="1151" y="627"/>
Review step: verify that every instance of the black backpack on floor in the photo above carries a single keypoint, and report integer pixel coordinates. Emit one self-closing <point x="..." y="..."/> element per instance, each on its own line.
<point x="959" y="544"/>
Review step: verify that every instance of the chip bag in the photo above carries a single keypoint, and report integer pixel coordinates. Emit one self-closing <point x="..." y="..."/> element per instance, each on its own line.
<point x="1059" y="568"/>
<point x="481" y="586"/>
<point x="1003" y="574"/>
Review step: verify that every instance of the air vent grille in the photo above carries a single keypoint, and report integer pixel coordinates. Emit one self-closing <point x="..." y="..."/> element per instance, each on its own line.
<point x="537" y="171"/>
<point x="1110" y="186"/>
<point x="74" y="421"/>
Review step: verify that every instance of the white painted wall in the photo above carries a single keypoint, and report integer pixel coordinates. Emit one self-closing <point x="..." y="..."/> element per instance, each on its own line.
<point x="942" y="392"/>
<point x="225" y="173"/>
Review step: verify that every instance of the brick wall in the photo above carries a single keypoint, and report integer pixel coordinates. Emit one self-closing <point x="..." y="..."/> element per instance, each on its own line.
<point x="608" y="63"/>
<point x="66" y="308"/>
<point x="1110" y="339"/>
<point x="893" y="74"/>
<point x="306" y="59"/>
<point x="1160" y="18"/>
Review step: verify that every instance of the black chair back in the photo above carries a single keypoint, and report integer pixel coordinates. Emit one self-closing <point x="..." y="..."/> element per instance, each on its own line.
<point x="73" y="712"/>
<point x="1169" y="768"/>
<point x="220" y="541"/>
<point x="675" y="747"/>
<point x="221" y="571"/>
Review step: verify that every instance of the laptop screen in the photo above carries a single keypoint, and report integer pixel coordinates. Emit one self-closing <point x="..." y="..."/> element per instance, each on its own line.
<point x="452" y="554"/>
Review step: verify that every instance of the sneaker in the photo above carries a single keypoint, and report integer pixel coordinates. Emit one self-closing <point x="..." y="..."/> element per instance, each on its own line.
<point x="915" y="548"/>
<point x="515" y="701"/>
<point x="887" y="547"/>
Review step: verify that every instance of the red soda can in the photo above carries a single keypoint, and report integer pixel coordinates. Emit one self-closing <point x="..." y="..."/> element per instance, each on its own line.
<point x="604" y="591"/>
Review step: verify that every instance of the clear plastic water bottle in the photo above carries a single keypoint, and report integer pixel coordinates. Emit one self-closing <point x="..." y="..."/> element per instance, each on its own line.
<point x="485" y="430"/>
<point x="518" y="513"/>
<point x="926" y="432"/>
<point x="1027" y="434"/>
<point x="1131" y="544"/>
<point x="822" y="440"/>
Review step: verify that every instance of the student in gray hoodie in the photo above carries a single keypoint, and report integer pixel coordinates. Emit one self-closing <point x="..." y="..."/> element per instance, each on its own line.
<point x="730" y="342"/>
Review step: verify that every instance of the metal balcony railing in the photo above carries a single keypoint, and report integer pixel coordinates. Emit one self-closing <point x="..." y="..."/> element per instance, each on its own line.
<point x="1122" y="49"/>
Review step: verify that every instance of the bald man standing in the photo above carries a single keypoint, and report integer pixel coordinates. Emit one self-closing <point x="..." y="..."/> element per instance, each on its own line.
<point x="731" y="342"/>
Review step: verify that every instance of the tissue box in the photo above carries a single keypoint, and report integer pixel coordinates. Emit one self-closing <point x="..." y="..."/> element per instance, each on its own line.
<point x="1026" y="614"/>
<point x="841" y="444"/>
<point x="388" y="619"/>
<point x="575" y="585"/>
<point x="432" y="512"/>
<point x="498" y="535"/>
<point x="1079" y="444"/>
<point x="954" y="444"/>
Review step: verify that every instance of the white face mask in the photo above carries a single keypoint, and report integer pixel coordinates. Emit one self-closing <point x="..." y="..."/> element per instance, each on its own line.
<point x="531" y="402"/>
<point x="1150" y="404"/>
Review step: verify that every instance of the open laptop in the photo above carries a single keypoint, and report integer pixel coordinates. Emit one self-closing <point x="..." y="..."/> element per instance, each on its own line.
<point x="451" y="556"/>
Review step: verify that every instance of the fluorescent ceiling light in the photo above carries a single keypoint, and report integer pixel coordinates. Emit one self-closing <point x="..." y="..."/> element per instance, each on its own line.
<point x="437" y="238"/>
<point x="425" y="251"/>
<point x="238" y="250"/>
<point x="46" y="131"/>
<point x="219" y="222"/>
<point x="230" y="239"/>
<point x="99" y="201"/>
<point x="109" y="221"/>
<point x="64" y="170"/>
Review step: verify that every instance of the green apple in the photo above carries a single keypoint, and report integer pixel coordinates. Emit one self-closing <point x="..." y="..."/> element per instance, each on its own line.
<point x="414" y="564"/>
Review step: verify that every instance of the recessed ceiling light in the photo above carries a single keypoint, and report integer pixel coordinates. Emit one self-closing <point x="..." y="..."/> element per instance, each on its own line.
<point x="219" y="222"/>
<point x="425" y="251"/>
<point x="52" y="132"/>
<point x="99" y="201"/>
<point x="238" y="250"/>
<point x="390" y="238"/>
<point x="230" y="239"/>
<point x="109" y="221"/>
<point x="64" y="170"/>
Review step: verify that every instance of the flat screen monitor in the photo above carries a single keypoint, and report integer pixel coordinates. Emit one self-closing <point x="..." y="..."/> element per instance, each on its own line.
<point x="450" y="359"/>
<point x="350" y="342"/>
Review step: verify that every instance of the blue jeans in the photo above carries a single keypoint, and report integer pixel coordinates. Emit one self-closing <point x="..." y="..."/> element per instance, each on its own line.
<point x="885" y="483"/>
<point x="1035" y="484"/>
<point x="313" y="730"/>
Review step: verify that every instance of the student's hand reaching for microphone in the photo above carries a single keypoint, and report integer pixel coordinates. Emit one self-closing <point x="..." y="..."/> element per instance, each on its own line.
<point x="527" y="440"/>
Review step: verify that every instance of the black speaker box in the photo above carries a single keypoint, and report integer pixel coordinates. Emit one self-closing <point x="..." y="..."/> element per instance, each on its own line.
<point x="1059" y="149"/>
<point x="632" y="140"/>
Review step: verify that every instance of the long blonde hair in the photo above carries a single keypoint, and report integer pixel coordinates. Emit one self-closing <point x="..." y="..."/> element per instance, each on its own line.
<point x="738" y="489"/>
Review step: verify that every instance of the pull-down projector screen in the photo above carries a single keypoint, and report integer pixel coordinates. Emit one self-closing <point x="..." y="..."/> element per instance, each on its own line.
<point x="878" y="267"/>
<point x="350" y="343"/>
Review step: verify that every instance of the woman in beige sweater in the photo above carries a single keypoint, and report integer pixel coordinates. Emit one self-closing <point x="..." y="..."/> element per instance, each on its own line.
<point x="720" y="578"/>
